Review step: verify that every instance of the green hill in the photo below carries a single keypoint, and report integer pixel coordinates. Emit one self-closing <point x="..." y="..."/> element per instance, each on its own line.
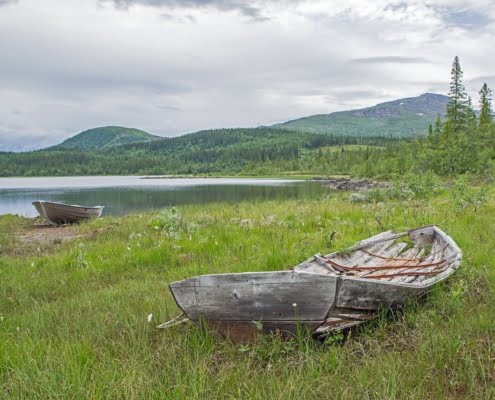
<point x="106" y="137"/>
<point x="399" y="118"/>
<point x="227" y="151"/>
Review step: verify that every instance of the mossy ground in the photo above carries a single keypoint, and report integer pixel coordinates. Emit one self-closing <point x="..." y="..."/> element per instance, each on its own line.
<point x="74" y="313"/>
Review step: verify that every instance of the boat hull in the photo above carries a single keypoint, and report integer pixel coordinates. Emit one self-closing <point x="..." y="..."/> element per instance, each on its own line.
<point x="58" y="213"/>
<point x="241" y="305"/>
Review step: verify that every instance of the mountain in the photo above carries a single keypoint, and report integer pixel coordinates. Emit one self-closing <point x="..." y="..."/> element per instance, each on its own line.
<point x="399" y="118"/>
<point x="106" y="137"/>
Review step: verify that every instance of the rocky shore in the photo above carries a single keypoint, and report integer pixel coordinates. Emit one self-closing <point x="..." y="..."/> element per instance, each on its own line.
<point x="350" y="184"/>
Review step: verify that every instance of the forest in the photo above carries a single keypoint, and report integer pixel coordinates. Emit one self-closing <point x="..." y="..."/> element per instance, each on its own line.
<point x="224" y="151"/>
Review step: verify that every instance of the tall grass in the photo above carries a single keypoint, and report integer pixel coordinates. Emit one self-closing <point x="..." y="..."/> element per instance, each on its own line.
<point x="74" y="318"/>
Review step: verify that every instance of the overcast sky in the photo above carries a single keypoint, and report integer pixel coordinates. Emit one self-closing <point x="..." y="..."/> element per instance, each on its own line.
<point x="176" y="66"/>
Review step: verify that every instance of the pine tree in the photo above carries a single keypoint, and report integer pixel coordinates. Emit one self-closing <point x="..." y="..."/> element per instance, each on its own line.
<point x="457" y="107"/>
<point x="438" y="125"/>
<point x="485" y="107"/>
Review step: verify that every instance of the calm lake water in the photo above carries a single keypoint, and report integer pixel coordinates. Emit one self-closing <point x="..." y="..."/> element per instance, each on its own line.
<point x="125" y="194"/>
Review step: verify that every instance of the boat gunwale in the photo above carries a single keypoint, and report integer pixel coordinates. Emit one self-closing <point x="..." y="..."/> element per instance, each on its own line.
<point x="453" y="266"/>
<point x="67" y="205"/>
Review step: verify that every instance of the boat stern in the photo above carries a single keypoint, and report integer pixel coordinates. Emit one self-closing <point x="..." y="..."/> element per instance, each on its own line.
<point x="184" y="294"/>
<point x="242" y="305"/>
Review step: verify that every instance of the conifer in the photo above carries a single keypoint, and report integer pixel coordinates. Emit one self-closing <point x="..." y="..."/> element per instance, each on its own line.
<point x="457" y="107"/>
<point x="485" y="107"/>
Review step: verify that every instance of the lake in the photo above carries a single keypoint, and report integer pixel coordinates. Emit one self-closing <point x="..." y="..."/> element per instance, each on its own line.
<point x="125" y="194"/>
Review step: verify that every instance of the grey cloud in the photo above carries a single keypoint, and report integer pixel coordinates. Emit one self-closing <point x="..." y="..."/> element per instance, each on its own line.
<point x="244" y="7"/>
<point x="467" y="19"/>
<point x="390" y="59"/>
<point x="352" y="95"/>
<point x="86" y="81"/>
<point x="481" y="79"/>
<point x="183" y="19"/>
<point x="105" y="82"/>
<point x="12" y="140"/>
<point x="167" y="108"/>
<point x="441" y="87"/>
<point x="396" y="7"/>
<point x="7" y="2"/>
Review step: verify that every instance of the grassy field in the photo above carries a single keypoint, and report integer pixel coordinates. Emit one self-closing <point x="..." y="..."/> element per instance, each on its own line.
<point x="75" y="304"/>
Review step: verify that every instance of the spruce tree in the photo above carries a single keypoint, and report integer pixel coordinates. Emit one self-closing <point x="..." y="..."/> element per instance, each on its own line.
<point x="438" y="125"/>
<point x="485" y="107"/>
<point x="457" y="107"/>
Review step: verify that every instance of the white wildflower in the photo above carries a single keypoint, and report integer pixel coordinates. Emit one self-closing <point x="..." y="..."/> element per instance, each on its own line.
<point x="294" y="304"/>
<point x="268" y="220"/>
<point x="358" y="197"/>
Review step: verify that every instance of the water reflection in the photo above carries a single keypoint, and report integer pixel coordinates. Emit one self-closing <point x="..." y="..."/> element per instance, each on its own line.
<point x="123" y="200"/>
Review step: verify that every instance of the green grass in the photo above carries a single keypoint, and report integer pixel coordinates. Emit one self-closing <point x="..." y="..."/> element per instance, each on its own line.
<point x="73" y="320"/>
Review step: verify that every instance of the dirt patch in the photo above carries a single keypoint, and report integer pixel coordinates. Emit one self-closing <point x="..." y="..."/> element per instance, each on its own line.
<point x="48" y="234"/>
<point x="350" y="184"/>
<point x="41" y="239"/>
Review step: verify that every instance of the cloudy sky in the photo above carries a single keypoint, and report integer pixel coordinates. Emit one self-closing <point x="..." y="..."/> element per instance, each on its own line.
<point x="175" y="66"/>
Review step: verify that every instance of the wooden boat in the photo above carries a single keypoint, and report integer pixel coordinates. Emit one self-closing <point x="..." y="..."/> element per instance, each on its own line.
<point x="59" y="213"/>
<point x="323" y="294"/>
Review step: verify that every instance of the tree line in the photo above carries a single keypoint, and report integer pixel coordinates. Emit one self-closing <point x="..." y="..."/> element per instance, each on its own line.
<point x="223" y="151"/>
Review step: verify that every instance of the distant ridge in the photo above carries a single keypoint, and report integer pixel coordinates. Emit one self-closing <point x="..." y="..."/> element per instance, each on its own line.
<point x="398" y="118"/>
<point x="106" y="137"/>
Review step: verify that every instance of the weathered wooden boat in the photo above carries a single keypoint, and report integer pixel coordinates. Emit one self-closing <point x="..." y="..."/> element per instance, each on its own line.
<point x="323" y="294"/>
<point x="59" y="213"/>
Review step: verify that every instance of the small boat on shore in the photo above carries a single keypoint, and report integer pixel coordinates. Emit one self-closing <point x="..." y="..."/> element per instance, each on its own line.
<point x="323" y="294"/>
<point x="59" y="213"/>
